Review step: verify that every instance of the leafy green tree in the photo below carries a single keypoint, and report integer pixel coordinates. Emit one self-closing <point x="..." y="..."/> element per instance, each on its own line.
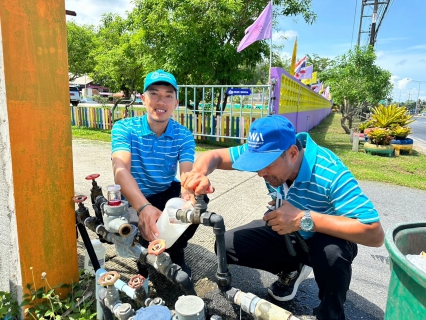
<point x="80" y="43"/>
<point x="320" y="64"/>
<point x="119" y="57"/>
<point x="356" y="82"/>
<point x="197" y="39"/>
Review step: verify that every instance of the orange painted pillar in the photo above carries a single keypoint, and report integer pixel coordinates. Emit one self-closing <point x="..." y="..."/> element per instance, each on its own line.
<point x="36" y="130"/>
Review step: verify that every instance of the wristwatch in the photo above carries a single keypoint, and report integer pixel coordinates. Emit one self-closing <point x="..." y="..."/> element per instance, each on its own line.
<point x="306" y="223"/>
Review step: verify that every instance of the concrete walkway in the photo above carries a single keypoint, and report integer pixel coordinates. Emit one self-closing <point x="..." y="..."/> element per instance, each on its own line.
<point x="239" y="198"/>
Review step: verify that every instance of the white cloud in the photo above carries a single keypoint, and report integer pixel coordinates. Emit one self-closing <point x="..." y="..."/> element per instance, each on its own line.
<point x="90" y="12"/>
<point x="380" y="54"/>
<point x="402" y="84"/>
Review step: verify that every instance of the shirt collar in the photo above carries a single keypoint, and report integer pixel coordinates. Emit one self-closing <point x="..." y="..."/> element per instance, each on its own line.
<point x="146" y="130"/>
<point x="309" y="157"/>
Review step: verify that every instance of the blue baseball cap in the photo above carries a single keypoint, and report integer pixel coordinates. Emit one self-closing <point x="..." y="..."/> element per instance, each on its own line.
<point x="268" y="138"/>
<point x="160" y="76"/>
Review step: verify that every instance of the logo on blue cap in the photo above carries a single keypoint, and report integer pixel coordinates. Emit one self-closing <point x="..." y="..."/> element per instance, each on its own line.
<point x="268" y="138"/>
<point x="160" y="76"/>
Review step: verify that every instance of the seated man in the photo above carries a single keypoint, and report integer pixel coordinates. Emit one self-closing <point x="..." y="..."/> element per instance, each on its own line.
<point x="145" y="153"/>
<point x="321" y="200"/>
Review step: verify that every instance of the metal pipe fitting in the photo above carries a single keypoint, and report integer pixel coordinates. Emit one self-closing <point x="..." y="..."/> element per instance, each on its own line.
<point x="172" y="271"/>
<point x="116" y="219"/>
<point x="259" y="308"/>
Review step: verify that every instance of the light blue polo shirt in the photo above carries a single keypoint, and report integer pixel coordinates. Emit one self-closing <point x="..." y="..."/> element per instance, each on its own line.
<point x="324" y="185"/>
<point x="154" y="159"/>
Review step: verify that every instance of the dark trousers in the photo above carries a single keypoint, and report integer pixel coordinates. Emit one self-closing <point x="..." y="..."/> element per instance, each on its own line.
<point x="257" y="246"/>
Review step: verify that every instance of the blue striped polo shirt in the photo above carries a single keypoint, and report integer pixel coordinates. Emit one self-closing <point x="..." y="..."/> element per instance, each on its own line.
<point x="324" y="185"/>
<point x="154" y="159"/>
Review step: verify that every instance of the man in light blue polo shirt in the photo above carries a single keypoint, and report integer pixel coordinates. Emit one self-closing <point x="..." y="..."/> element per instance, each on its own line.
<point x="322" y="202"/>
<point x="146" y="151"/>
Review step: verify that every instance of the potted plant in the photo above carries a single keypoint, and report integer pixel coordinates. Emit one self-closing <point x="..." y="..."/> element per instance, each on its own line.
<point x="379" y="142"/>
<point x="401" y="142"/>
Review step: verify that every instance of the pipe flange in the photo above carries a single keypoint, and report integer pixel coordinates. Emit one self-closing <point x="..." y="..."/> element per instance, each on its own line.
<point x="109" y="278"/>
<point x="136" y="281"/>
<point x="157" y="247"/>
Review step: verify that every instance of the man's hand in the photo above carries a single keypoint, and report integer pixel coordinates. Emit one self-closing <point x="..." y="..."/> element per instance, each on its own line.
<point x="147" y="222"/>
<point x="285" y="219"/>
<point x="197" y="182"/>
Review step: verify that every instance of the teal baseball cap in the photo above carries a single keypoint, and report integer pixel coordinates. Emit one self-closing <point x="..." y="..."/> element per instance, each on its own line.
<point x="160" y="76"/>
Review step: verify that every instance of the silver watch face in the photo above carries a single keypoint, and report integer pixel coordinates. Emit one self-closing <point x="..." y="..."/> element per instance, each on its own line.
<point x="306" y="224"/>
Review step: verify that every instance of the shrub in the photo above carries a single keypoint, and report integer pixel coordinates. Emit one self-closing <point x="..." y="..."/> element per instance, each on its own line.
<point x="392" y="115"/>
<point x="401" y="132"/>
<point x="380" y="136"/>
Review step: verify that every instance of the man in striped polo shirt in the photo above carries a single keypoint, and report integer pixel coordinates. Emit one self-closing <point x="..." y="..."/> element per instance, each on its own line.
<point x="146" y="151"/>
<point x="322" y="202"/>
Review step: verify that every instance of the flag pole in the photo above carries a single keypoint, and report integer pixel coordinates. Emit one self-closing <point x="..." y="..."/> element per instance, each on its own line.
<point x="270" y="106"/>
<point x="270" y="50"/>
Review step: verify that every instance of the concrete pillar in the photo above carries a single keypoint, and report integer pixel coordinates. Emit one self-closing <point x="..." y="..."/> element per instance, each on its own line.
<point x="37" y="219"/>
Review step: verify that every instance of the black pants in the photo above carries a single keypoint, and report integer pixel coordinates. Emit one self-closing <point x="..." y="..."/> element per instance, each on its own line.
<point x="256" y="246"/>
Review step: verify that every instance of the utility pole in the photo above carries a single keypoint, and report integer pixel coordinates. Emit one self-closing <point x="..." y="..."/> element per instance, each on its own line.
<point x="373" y="23"/>
<point x="418" y="94"/>
<point x="379" y="8"/>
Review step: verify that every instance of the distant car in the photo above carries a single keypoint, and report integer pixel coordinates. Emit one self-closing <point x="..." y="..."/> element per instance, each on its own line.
<point x="74" y="96"/>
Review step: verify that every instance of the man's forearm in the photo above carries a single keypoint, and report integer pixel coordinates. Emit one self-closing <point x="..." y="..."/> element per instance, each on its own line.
<point x="371" y="235"/>
<point x="129" y="188"/>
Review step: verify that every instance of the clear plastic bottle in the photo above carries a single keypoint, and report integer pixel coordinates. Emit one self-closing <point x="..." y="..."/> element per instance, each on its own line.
<point x="114" y="195"/>
<point x="100" y="255"/>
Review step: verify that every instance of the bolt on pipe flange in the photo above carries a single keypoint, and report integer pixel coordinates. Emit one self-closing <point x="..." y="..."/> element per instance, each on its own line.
<point x="109" y="278"/>
<point x="136" y="281"/>
<point x="157" y="247"/>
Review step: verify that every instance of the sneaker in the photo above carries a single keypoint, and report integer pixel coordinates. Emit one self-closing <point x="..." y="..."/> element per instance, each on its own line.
<point x="285" y="288"/>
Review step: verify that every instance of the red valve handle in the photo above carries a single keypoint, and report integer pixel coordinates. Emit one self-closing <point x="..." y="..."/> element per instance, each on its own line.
<point x="136" y="281"/>
<point x="92" y="176"/>
<point x="157" y="246"/>
<point x="80" y="198"/>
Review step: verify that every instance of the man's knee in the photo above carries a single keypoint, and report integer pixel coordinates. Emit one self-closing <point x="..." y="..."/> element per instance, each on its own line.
<point x="331" y="252"/>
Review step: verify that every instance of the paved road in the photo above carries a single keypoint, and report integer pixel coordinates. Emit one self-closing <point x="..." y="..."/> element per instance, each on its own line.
<point x="419" y="132"/>
<point x="239" y="198"/>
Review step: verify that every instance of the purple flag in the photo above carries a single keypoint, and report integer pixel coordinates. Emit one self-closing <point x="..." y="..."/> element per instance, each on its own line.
<point x="260" y="29"/>
<point x="307" y="72"/>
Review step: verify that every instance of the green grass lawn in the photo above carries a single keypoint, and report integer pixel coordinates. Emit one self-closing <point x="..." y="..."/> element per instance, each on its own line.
<point x="405" y="170"/>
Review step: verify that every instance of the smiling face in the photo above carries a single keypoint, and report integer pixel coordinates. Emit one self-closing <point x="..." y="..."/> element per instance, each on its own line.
<point x="160" y="102"/>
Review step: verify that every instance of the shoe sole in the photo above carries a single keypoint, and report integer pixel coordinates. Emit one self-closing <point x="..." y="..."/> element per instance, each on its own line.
<point x="304" y="273"/>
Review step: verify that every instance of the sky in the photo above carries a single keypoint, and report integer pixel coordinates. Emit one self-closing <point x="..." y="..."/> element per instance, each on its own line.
<point x="400" y="45"/>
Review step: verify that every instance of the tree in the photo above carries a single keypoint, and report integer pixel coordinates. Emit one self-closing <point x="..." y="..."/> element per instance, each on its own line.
<point x="80" y="43"/>
<point x="196" y="40"/>
<point x="119" y="57"/>
<point x="320" y="64"/>
<point x="356" y="82"/>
